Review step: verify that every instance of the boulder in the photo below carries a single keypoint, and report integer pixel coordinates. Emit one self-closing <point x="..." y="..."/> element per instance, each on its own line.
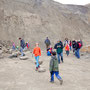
<point x="40" y="62"/>
<point x="9" y="51"/>
<point x="1" y="52"/>
<point x="23" y="58"/>
<point x="5" y="50"/>
<point x="15" y="55"/>
<point x="41" y="70"/>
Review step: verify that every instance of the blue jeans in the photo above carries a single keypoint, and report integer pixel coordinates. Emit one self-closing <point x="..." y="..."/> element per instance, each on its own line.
<point x="57" y="75"/>
<point x="70" y="47"/>
<point x="21" y="50"/>
<point x="77" y="53"/>
<point x="13" y="47"/>
<point x="60" y="55"/>
<point x="67" y="52"/>
<point x="37" y="61"/>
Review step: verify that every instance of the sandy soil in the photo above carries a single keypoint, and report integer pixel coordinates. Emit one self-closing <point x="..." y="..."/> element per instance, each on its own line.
<point x="16" y="74"/>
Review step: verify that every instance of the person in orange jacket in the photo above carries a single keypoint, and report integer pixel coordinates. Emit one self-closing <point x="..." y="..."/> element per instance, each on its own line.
<point x="37" y="53"/>
<point x="67" y="49"/>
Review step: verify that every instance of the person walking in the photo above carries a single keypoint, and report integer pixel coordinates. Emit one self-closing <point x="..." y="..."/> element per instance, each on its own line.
<point x="59" y="49"/>
<point x="67" y="49"/>
<point x="77" y="50"/>
<point x="74" y="46"/>
<point x="37" y="54"/>
<point x="47" y="42"/>
<point x="70" y="45"/>
<point x="22" y="46"/>
<point x="54" y="69"/>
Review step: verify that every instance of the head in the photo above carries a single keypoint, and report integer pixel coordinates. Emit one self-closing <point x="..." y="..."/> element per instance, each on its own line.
<point x="47" y="37"/>
<point x="36" y="44"/>
<point x="20" y="38"/>
<point x="58" y="41"/>
<point x="53" y="53"/>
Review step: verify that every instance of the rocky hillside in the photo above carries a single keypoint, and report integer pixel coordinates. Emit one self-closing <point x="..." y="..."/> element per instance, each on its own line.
<point x="35" y="19"/>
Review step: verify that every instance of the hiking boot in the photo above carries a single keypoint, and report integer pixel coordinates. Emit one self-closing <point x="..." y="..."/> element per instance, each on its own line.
<point x="51" y="81"/>
<point x="61" y="81"/>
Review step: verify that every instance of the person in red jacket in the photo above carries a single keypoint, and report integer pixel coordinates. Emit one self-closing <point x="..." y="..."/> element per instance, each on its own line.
<point x="67" y="49"/>
<point x="37" y="53"/>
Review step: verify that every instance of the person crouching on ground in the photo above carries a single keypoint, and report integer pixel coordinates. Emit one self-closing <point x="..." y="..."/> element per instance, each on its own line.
<point x="54" y="69"/>
<point x="49" y="51"/>
<point x="37" y="53"/>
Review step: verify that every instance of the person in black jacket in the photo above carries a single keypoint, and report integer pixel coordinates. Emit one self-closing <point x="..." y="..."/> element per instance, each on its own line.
<point x="47" y="42"/>
<point x="77" y="49"/>
<point x="22" y="46"/>
<point x="59" y="48"/>
<point x="74" y="45"/>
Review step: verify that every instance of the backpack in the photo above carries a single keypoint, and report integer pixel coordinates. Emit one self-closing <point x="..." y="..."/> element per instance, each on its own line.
<point x="67" y="47"/>
<point x="48" y="53"/>
<point x="79" y="45"/>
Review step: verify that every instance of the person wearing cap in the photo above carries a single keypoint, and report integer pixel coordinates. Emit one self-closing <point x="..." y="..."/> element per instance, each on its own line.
<point x="37" y="53"/>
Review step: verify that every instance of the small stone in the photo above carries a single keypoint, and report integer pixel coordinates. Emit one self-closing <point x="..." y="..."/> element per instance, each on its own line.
<point x="41" y="70"/>
<point x="23" y="58"/>
<point x="40" y="62"/>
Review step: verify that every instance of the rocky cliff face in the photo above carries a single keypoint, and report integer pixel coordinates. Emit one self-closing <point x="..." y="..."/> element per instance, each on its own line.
<point x="33" y="20"/>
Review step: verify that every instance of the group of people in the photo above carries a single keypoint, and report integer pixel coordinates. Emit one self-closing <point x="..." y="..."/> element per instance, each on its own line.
<point x="53" y="67"/>
<point x="53" y="51"/>
<point x="22" y="47"/>
<point x="68" y="45"/>
<point x="59" y="46"/>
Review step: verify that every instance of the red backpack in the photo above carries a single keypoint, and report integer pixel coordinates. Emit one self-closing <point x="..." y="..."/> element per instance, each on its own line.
<point x="79" y="45"/>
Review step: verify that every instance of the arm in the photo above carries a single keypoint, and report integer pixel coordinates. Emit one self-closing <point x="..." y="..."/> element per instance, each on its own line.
<point x="39" y="51"/>
<point x="55" y="47"/>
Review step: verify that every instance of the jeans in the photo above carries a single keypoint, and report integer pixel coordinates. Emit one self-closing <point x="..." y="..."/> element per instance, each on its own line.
<point x="67" y="52"/>
<point x="58" y="56"/>
<point x="77" y="53"/>
<point x="21" y="50"/>
<point x="70" y="48"/>
<point x="57" y="75"/>
<point x="13" y="47"/>
<point x="37" y="61"/>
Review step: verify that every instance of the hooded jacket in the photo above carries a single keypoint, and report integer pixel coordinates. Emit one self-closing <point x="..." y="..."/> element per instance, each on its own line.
<point x="53" y="64"/>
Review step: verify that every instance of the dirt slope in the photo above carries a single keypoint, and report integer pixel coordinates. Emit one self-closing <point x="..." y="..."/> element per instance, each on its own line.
<point x="35" y="19"/>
